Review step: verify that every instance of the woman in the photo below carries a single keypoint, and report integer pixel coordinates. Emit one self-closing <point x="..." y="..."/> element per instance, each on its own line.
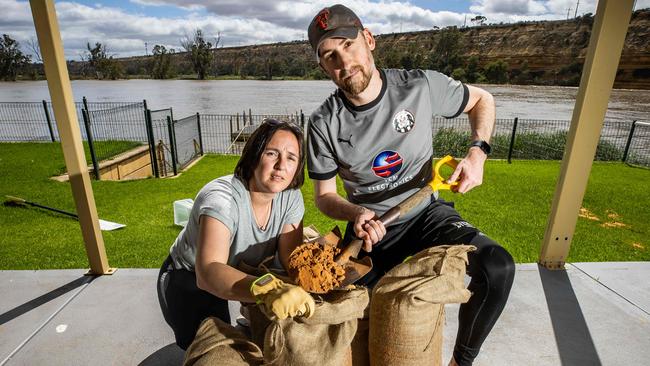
<point x="248" y="216"/>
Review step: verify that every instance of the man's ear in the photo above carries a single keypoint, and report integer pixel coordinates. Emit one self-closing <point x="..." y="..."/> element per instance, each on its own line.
<point x="370" y="39"/>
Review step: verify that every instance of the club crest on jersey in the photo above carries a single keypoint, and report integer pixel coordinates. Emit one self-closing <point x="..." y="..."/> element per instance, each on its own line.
<point x="403" y="121"/>
<point x="386" y="163"/>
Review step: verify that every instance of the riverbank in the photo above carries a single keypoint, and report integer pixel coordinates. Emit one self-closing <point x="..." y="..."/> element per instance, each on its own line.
<point x="232" y="96"/>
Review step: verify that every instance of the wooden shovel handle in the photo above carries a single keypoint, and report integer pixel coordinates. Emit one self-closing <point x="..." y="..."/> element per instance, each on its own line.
<point x="353" y="249"/>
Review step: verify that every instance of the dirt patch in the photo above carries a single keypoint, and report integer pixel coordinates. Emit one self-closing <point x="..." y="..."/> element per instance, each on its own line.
<point x="613" y="215"/>
<point x="584" y="213"/>
<point x="638" y="245"/>
<point x="313" y="267"/>
<point x="614" y="224"/>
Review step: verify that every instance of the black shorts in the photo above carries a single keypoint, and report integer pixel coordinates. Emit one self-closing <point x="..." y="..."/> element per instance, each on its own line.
<point x="438" y="224"/>
<point x="184" y="305"/>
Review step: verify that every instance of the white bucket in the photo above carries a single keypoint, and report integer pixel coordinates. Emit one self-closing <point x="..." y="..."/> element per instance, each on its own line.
<point x="182" y="210"/>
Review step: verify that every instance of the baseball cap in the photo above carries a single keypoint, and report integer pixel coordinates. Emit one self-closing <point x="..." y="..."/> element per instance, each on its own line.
<point x="336" y="21"/>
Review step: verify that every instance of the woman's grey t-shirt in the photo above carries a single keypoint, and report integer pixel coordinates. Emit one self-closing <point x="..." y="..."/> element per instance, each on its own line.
<point x="227" y="200"/>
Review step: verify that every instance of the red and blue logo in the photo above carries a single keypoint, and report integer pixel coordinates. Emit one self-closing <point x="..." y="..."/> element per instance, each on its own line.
<point x="387" y="163"/>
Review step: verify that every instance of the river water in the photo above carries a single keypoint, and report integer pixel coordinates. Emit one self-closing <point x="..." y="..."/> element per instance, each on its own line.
<point x="286" y="97"/>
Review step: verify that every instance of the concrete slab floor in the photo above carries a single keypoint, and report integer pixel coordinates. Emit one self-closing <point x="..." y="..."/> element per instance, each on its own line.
<point x="590" y="314"/>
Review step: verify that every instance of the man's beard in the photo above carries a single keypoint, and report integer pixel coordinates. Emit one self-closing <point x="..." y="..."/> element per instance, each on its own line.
<point x="358" y="85"/>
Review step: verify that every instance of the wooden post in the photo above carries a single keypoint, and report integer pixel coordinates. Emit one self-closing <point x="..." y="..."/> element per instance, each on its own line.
<point x="605" y="46"/>
<point x="58" y="81"/>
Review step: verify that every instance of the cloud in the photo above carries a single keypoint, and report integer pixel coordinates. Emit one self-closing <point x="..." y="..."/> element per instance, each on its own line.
<point x="244" y="22"/>
<point x="125" y="33"/>
<point x="514" y="7"/>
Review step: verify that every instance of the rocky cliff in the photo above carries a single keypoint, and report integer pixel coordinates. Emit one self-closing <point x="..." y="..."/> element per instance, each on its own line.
<point x="549" y="52"/>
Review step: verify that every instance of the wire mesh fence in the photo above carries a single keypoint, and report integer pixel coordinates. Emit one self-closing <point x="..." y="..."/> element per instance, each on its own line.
<point x="188" y="140"/>
<point x="527" y="138"/>
<point x="175" y="143"/>
<point x="114" y="124"/>
<point x="162" y="141"/>
<point x="27" y="121"/>
<point x="227" y="134"/>
<point x="637" y="151"/>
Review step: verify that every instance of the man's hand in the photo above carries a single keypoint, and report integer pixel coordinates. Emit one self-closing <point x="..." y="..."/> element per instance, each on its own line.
<point x="368" y="228"/>
<point x="281" y="299"/>
<point x="469" y="172"/>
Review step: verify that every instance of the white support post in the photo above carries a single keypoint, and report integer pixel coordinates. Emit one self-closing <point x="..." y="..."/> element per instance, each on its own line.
<point x="58" y="81"/>
<point x="605" y="47"/>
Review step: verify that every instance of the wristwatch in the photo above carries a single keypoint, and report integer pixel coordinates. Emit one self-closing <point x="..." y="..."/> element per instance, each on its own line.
<point x="483" y="145"/>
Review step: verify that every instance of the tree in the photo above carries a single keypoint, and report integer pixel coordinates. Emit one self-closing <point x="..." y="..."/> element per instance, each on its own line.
<point x="478" y="20"/>
<point x="161" y="64"/>
<point x="199" y="52"/>
<point x="445" y="57"/>
<point x="100" y="63"/>
<point x="473" y="72"/>
<point x="35" y="48"/>
<point x="12" y="58"/>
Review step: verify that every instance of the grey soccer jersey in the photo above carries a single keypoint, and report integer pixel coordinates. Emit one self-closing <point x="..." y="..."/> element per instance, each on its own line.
<point x="382" y="150"/>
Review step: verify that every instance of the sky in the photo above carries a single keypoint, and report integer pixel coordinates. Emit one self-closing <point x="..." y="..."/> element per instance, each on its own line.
<point x="133" y="27"/>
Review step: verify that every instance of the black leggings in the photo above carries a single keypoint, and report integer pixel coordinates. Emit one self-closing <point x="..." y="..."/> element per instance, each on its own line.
<point x="491" y="268"/>
<point x="184" y="305"/>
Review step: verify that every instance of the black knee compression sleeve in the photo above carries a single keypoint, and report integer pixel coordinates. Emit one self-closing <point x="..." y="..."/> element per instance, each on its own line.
<point x="492" y="270"/>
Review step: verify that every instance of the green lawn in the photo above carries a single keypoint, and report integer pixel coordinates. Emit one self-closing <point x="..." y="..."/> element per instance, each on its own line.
<point x="512" y="206"/>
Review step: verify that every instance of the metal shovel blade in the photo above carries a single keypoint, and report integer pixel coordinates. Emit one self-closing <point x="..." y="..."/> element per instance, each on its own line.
<point x="355" y="269"/>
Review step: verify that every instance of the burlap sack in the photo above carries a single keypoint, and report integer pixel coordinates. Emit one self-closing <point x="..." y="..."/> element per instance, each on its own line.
<point x="218" y="343"/>
<point x="407" y="308"/>
<point x="360" y="355"/>
<point x="324" y="339"/>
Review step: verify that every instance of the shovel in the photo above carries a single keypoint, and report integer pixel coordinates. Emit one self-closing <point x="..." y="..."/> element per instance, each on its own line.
<point x="17" y="201"/>
<point x="357" y="268"/>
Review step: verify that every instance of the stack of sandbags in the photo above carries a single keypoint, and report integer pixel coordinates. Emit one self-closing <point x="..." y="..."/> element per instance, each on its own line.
<point x="218" y="343"/>
<point x="407" y="308"/>
<point x="324" y="339"/>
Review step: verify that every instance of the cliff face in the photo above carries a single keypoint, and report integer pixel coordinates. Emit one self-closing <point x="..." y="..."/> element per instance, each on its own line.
<point x="552" y="52"/>
<point x="545" y="47"/>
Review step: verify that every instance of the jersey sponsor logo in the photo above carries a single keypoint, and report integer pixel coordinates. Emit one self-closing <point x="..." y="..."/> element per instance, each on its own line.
<point x="389" y="183"/>
<point x="387" y="163"/>
<point x="403" y="121"/>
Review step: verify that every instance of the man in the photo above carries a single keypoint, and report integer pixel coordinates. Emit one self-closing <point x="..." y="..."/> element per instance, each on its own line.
<point x="375" y="132"/>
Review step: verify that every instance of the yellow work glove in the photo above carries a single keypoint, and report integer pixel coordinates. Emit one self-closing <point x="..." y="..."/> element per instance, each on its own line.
<point x="282" y="299"/>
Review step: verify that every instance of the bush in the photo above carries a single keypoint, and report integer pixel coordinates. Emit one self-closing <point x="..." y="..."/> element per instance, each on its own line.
<point x="528" y="145"/>
<point x="497" y="71"/>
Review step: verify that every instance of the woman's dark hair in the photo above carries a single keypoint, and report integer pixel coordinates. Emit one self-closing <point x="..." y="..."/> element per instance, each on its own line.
<point x="256" y="144"/>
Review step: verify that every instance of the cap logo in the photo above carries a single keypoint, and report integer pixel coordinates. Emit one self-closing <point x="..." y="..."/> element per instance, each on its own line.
<point x="322" y="18"/>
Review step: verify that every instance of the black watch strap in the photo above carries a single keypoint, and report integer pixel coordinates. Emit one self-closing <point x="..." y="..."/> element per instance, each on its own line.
<point x="483" y="145"/>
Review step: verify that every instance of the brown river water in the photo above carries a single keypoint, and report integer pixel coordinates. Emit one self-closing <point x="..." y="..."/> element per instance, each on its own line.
<point x="285" y="97"/>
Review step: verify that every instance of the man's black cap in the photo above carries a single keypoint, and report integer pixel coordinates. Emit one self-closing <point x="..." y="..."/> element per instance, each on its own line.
<point x="336" y="21"/>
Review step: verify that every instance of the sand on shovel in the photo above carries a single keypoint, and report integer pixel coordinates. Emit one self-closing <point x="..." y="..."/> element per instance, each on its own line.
<point x="313" y="267"/>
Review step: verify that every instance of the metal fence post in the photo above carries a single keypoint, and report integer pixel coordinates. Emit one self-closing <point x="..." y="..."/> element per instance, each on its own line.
<point x="152" y="141"/>
<point x="512" y="140"/>
<point x="49" y="120"/>
<point x="85" y="102"/>
<point x="250" y="117"/>
<point x="198" y="125"/>
<point x="629" y="141"/>
<point x="172" y="143"/>
<point x="302" y="120"/>
<point x="91" y="146"/>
